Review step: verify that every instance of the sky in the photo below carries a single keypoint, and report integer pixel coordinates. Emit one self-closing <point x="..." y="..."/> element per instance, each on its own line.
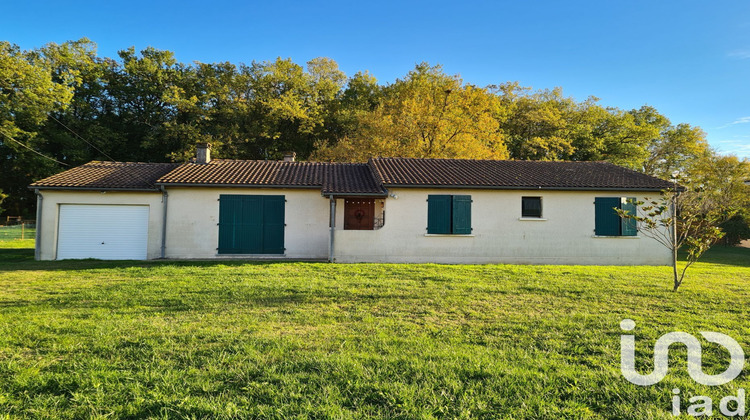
<point x="688" y="59"/>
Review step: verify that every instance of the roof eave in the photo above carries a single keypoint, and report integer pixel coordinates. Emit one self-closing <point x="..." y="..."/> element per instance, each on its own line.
<point x="186" y="184"/>
<point x="41" y="187"/>
<point x="352" y="194"/>
<point x="528" y="187"/>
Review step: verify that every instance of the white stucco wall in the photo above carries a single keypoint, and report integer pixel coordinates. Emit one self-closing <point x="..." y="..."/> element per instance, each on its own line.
<point x="52" y="199"/>
<point x="565" y="237"/>
<point x="193" y="217"/>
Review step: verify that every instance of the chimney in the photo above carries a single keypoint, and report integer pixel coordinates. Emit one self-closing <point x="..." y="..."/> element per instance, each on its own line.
<point x="290" y="156"/>
<point x="203" y="153"/>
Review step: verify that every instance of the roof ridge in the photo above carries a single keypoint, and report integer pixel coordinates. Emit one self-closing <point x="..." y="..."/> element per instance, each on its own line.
<point x="375" y="171"/>
<point x="111" y="162"/>
<point x="266" y="161"/>
<point x="376" y="158"/>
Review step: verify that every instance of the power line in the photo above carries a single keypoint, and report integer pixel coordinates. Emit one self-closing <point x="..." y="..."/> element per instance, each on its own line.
<point x="79" y="136"/>
<point x="29" y="148"/>
<point x="132" y="175"/>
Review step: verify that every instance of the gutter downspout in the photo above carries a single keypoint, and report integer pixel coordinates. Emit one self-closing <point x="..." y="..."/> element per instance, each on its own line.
<point x="164" y="197"/>
<point x="333" y="228"/>
<point x="38" y="237"/>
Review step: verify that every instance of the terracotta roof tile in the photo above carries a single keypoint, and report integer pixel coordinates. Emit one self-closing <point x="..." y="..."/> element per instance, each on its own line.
<point x="108" y="175"/>
<point x="351" y="178"/>
<point x="370" y="178"/>
<point x="331" y="178"/>
<point x="511" y="174"/>
<point x="248" y="172"/>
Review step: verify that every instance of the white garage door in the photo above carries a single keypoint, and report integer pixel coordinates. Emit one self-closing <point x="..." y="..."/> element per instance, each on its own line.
<point x="103" y="232"/>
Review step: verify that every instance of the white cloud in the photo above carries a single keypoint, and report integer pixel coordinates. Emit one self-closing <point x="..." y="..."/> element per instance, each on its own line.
<point x="743" y="120"/>
<point x="739" y="151"/>
<point x="738" y="148"/>
<point x="739" y="54"/>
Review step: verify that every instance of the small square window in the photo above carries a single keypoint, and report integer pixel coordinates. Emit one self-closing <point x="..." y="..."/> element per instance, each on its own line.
<point x="531" y="207"/>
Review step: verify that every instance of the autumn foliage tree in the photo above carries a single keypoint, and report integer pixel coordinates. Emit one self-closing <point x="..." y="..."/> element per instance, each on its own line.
<point x="31" y="87"/>
<point x="428" y="114"/>
<point x="63" y="105"/>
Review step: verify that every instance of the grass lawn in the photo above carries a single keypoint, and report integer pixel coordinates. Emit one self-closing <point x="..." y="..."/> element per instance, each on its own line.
<point x="310" y="340"/>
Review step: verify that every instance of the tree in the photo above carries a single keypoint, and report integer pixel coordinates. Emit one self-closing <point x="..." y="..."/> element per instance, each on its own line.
<point x="723" y="180"/>
<point x="676" y="149"/>
<point x="65" y="103"/>
<point x="737" y="228"/>
<point x="536" y="123"/>
<point x="76" y="65"/>
<point x="143" y="90"/>
<point x="289" y="108"/>
<point x="29" y="91"/>
<point x="428" y="114"/>
<point x="211" y="101"/>
<point x="545" y="125"/>
<point x="361" y="95"/>
<point x="2" y="197"/>
<point x="680" y="220"/>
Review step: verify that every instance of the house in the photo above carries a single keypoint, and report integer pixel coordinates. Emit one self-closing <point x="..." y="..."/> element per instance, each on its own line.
<point x="386" y="210"/>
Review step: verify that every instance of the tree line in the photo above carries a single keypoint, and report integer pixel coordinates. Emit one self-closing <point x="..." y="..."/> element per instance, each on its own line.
<point x="62" y="105"/>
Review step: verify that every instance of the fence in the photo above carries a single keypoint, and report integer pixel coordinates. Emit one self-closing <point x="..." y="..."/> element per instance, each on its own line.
<point x="25" y="230"/>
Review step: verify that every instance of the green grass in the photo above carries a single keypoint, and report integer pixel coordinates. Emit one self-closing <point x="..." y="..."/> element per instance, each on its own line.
<point x="304" y="340"/>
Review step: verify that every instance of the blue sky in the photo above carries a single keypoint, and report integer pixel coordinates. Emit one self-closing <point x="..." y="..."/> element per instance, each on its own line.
<point x="688" y="59"/>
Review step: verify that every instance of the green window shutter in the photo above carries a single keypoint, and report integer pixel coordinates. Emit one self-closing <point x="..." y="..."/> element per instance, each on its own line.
<point x="629" y="226"/>
<point x="461" y="214"/>
<point x="439" y="214"/>
<point x="273" y="224"/>
<point x="607" y="222"/>
<point x="227" y="210"/>
<point x="251" y="224"/>
<point x="248" y="225"/>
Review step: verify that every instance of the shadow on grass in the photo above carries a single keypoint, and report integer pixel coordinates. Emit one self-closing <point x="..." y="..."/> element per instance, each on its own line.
<point x="75" y="302"/>
<point x="15" y="255"/>
<point x="726" y="255"/>
<point x="15" y="259"/>
<point x="18" y="259"/>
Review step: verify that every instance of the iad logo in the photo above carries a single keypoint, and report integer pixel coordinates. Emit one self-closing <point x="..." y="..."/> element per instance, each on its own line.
<point x="694" y="350"/>
<point x="695" y="369"/>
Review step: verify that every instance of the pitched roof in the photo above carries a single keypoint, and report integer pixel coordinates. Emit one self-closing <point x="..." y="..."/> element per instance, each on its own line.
<point x="108" y="175"/>
<point x="351" y="178"/>
<point x="372" y="178"/>
<point x="248" y="172"/>
<point x="331" y="178"/>
<point x="511" y="174"/>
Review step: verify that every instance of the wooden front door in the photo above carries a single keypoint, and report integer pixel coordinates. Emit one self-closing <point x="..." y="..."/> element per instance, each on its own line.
<point x="359" y="213"/>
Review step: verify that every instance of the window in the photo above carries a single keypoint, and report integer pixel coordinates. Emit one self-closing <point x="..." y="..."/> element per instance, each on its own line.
<point x="449" y="214"/>
<point x="608" y="222"/>
<point x="531" y="207"/>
